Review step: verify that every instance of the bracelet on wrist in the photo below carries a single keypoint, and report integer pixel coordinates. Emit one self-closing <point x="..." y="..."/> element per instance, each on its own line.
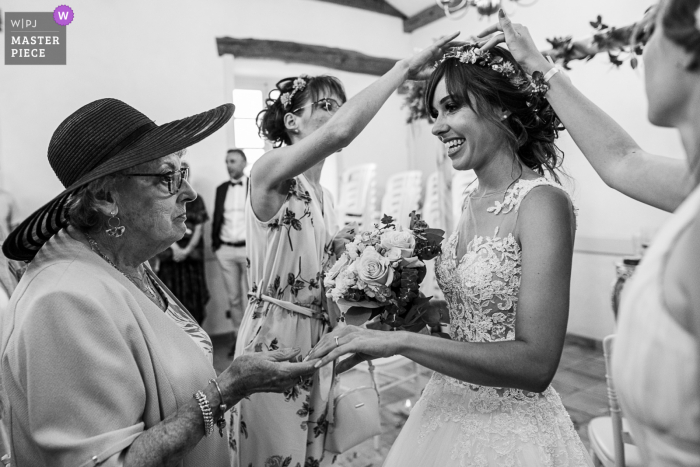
<point x="221" y="421"/>
<point x="206" y="412"/>
<point x="553" y="71"/>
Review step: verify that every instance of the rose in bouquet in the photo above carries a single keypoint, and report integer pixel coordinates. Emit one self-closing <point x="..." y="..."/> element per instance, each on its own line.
<point x="377" y="277"/>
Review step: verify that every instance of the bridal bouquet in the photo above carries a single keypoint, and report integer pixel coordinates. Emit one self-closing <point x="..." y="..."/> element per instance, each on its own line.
<point x="377" y="277"/>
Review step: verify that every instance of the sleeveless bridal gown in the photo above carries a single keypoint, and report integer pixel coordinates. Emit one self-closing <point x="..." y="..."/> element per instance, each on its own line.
<point x="461" y="424"/>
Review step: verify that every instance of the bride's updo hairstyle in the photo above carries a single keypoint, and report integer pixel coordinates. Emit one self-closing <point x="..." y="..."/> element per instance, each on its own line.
<point x="290" y="95"/>
<point x="490" y="81"/>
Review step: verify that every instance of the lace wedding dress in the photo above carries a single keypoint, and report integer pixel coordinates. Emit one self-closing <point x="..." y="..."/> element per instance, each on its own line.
<point x="461" y="424"/>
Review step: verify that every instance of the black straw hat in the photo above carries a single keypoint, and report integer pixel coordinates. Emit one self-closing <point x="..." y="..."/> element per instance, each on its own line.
<point x="98" y="139"/>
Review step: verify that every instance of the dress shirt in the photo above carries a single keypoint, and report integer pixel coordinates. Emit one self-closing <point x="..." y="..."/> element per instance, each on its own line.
<point x="233" y="227"/>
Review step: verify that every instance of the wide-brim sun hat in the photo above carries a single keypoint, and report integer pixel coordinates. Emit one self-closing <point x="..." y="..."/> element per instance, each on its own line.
<point x="102" y="138"/>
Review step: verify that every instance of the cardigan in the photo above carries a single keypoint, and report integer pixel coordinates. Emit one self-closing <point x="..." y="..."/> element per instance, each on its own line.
<point x="88" y="363"/>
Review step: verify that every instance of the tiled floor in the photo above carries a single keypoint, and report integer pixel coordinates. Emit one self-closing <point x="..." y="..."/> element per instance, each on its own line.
<point x="580" y="380"/>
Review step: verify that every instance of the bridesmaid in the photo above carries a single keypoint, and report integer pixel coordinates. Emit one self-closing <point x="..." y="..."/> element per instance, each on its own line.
<point x="290" y="223"/>
<point x="656" y="360"/>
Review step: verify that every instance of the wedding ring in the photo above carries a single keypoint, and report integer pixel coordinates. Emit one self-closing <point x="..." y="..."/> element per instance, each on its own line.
<point x="337" y="344"/>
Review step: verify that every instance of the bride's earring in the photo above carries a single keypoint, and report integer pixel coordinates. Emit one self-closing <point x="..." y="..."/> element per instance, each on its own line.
<point x="115" y="229"/>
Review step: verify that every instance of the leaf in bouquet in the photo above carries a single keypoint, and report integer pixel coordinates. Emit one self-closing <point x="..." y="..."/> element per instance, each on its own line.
<point x="387" y="220"/>
<point x="422" y="272"/>
<point x="418" y="306"/>
<point x="357" y="315"/>
<point x="431" y="317"/>
<point x="434" y="235"/>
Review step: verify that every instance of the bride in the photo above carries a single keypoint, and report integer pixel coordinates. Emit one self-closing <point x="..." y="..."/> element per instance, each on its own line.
<point x="505" y="274"/>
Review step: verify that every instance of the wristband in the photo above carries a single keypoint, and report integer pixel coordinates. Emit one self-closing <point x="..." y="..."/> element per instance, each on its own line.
<point x="553" y="71"/>
<point x="221" y="421"/>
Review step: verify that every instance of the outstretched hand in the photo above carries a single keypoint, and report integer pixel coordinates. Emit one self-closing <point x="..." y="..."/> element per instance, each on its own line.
<point x="367" y="343"/>
<point x="519" y="42"/>
<point x="267" y="372"/>
<point x="420" y="66"/>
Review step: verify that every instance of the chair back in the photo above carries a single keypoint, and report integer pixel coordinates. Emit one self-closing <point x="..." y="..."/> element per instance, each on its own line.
<point x="402" y="195"/>
<point x="357" y="196"/>
<point x="432" y="214"/>
<point x="614" y="405"/>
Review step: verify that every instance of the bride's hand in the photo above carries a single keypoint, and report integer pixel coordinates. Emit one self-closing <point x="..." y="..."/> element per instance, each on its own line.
<point x="354" y="339"/>
<point x="420" y="66"/>
<point x="519" y="42"/>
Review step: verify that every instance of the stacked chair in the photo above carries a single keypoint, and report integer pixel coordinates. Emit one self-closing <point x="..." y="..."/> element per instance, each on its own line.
<point x="358" y="192"/>
<point x="402" y="195"/>
<point x="611" y="444"/>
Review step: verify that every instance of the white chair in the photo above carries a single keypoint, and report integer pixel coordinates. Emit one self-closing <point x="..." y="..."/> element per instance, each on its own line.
<point x="611" y="445"/>
<point x="461" y="180"/>
<point x="358" y="194"/>
<point x="402" y="195"/>
<point x="433" y="214"/>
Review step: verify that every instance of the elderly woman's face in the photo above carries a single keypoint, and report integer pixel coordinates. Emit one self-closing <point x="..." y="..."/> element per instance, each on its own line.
<point x="150" y="213"/>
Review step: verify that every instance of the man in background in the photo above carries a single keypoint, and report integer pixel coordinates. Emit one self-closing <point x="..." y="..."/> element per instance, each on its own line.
<point x="228" y="237"/>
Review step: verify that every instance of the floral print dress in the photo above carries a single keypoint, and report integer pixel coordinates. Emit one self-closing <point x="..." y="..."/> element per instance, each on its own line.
<point x="287" y="258"/>
<point x="456" y="423"/>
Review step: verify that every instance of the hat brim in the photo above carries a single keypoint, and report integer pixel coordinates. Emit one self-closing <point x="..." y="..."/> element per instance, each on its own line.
<point x="25" y="241"/>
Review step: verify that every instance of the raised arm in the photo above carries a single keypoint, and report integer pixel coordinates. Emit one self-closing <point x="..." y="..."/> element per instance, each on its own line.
<point x="659" y="181"/>
<point x="279" y="165"/>
<point x="529" y="362"/>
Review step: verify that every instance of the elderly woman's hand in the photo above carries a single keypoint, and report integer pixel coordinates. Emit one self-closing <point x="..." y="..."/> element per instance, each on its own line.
<point x="264" y="372"/>
<point x="344" y="236"/>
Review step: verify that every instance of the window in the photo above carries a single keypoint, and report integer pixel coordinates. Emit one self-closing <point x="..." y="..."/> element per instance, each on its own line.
<point x="248" y="102"/>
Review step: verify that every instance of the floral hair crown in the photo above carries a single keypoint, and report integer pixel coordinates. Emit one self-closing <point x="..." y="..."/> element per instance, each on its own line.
<point x="299" y="84"/>
<point x="471" y="54"/>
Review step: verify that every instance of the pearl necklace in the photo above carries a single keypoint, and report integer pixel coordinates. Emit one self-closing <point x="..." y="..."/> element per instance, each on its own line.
<point x="153" y="295"/>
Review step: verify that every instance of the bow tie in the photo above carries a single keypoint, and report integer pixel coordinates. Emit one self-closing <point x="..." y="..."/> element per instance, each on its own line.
<point x="236" y="183"/>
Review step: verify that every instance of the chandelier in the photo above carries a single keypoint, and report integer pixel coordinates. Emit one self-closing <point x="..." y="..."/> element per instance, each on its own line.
<point x="456" y="9"/>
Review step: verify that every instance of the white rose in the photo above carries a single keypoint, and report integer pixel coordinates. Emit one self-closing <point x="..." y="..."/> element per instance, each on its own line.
<point x="374" y="269"/>
<point x="393" y="254"/>
<point x="352" y="251"/>
<point x="403" y="240"/>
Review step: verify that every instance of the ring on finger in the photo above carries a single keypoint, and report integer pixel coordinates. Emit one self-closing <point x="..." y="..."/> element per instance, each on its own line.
<point x="337" y="344"/>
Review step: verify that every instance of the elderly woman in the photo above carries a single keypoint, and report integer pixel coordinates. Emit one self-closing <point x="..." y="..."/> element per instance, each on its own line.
<point x="101" y="364"/>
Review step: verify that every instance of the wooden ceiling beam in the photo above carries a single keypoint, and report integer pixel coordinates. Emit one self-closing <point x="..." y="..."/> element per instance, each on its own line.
<point x="377" y="6"/>
<point x="329" y="57"/>
<point x="425" y="17"/>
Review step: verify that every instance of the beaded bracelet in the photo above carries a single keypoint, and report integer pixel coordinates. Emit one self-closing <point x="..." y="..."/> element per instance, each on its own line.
<point x="221" y="421"/>
<point x="206" y="412"/>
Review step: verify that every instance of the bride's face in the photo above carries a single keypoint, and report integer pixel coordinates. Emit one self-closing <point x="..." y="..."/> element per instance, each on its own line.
<point x="470" y="140"/>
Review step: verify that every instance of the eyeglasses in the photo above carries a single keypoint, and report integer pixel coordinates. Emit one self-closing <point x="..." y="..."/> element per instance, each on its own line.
<point x="174" y="179"/>
<point x="327" y="104"/>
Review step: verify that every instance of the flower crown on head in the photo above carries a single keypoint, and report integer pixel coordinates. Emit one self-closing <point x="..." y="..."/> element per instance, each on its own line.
<point x="299" y="84"/>
<point x="471" y="54"/>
